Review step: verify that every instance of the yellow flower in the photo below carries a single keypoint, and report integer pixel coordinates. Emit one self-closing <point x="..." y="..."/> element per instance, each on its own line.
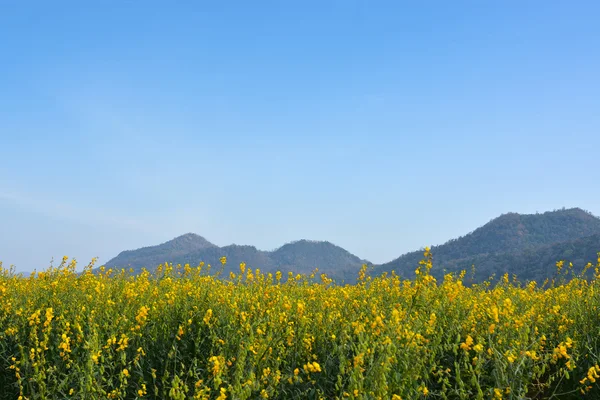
<point x="208" y="316"/>
<point x="49" y="316"/>
<point x="497" y="394"/>
<point x="466" y="345"/>
<point x="222" y="395"/>
<point x="511" y="358"/>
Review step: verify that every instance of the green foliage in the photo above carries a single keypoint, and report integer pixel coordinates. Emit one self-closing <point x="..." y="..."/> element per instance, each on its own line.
<point x="180" y="333"/>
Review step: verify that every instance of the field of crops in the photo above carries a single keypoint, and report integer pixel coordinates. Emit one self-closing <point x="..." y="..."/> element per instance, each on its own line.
<point x="180" y="333"/>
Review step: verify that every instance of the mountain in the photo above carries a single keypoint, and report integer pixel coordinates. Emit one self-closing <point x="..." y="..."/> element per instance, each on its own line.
<point x="534" y="264"/>
<point x="525" y="244"/>
<point x="302" y="256"/>
<point x="178" y="248"/>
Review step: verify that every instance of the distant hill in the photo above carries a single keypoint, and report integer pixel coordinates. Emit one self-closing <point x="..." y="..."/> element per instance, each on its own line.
<point x="178" y="248"/>
<point x="525" y="244"/>
<point x="533" y="264"/>
<point x="302" y="256"/>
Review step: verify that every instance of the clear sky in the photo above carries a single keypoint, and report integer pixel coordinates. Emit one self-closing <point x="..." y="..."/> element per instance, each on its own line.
<point x="382" y="127"/>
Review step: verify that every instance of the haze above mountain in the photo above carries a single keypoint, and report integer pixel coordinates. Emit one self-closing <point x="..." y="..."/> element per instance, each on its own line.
<point x="525" y="244"/>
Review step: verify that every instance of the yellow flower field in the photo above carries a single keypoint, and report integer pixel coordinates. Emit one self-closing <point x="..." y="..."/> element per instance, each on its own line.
<point x="182" y="333"/>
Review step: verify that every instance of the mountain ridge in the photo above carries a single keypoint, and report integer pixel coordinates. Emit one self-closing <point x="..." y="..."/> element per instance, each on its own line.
<point x="508" y="238"/>
<point x="504" y="235"/>
<point x="324" y="255"/>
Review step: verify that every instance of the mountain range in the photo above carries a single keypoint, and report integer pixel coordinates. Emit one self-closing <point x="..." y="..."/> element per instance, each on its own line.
<point x="301" y="256"/>
<point x="527" y="245"/>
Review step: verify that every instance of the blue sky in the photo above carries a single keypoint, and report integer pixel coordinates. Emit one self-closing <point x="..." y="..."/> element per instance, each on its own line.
<point x="382" y="127"/>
